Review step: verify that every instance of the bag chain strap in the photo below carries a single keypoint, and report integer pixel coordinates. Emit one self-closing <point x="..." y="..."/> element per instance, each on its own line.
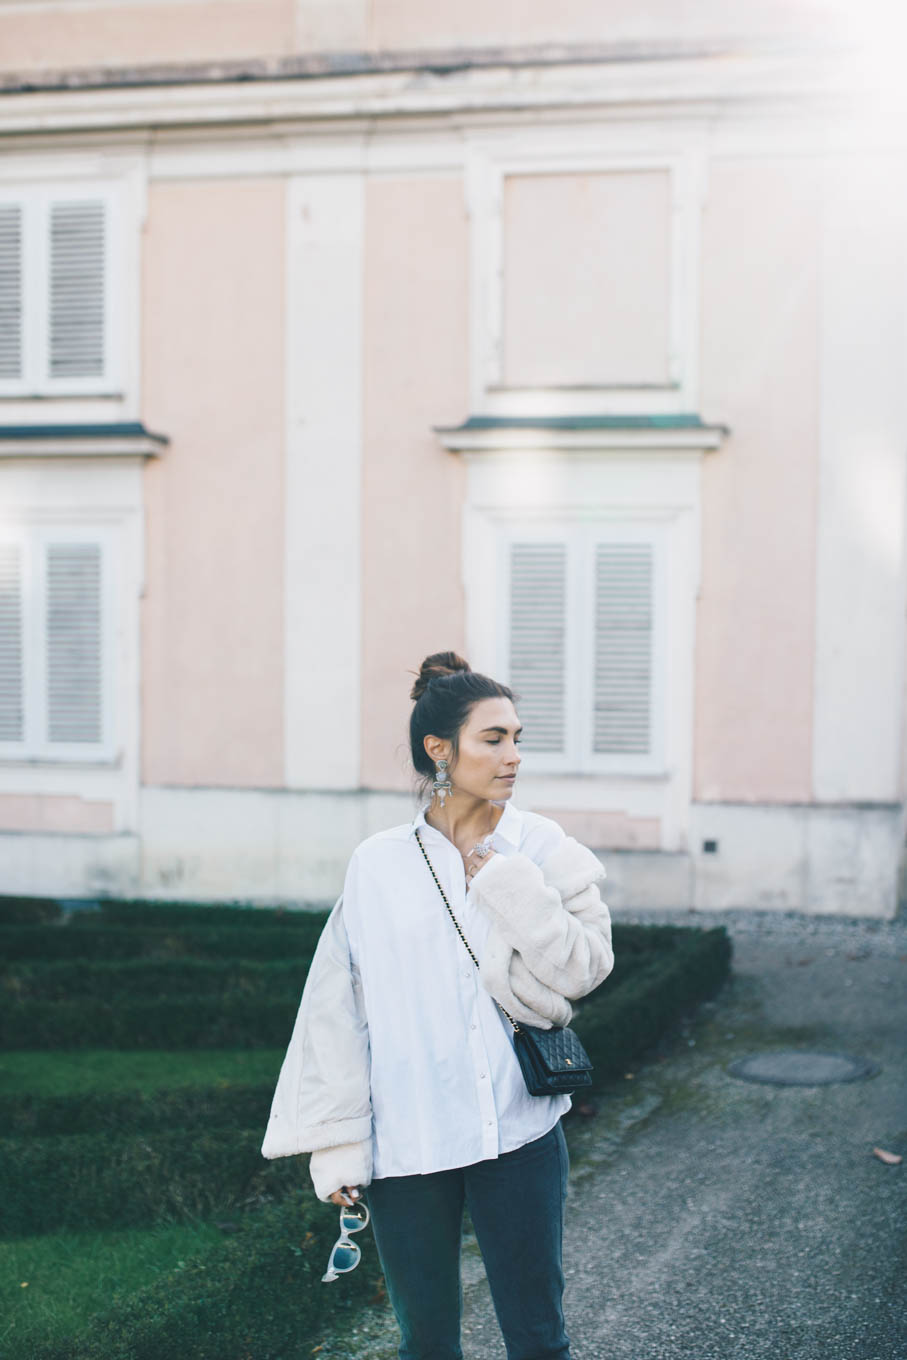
<point x="516" y="1028"/>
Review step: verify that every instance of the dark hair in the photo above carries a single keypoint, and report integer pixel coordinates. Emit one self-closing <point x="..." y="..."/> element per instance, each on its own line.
<point x="444" y="693"/>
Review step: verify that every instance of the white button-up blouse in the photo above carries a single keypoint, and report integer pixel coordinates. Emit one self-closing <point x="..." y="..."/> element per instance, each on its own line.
<point x="446" y="1087"/>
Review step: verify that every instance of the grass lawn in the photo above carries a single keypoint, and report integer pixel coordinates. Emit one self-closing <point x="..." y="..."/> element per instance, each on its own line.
<point x="51" y="1286"/>
<point x="52" y="1073"/>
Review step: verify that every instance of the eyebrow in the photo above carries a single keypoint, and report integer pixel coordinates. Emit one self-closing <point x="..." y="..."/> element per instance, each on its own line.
<point x="502" y="730"/>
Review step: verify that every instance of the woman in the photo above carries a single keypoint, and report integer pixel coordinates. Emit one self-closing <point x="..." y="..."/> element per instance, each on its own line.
<point x="401" y="1073"/>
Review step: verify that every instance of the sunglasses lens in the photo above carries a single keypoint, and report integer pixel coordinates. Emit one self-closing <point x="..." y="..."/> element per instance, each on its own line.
<point x="351" y="1220"/>
<point x="344" y="1256"/>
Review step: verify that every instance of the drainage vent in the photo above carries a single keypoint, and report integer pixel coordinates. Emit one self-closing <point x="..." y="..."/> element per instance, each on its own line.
<point x="801" y="1069"/>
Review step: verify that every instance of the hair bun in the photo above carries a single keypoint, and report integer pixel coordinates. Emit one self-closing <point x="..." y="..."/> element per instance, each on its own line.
<point x="434" y="666"/>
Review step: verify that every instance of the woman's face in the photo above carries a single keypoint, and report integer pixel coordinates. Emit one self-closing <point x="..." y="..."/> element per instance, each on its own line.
<point x="488" y="758"/>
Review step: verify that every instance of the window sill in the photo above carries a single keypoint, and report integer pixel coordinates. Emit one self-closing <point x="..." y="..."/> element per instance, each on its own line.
<point x="494" y="434"/>
<point x="116" y="439"/>
<point x="108" y="763"/>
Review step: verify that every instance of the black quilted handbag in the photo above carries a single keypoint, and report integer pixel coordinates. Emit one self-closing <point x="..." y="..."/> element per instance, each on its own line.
<point x="553" y="1061"/>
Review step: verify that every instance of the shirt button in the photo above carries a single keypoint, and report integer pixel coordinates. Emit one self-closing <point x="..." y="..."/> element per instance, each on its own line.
<point x="482" y="1076"/>
<point x="472" y="1026"/>
<point x="490" y="1123"/>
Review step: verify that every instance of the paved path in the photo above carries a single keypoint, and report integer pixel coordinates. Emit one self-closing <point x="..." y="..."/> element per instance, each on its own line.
<point x="714" y="1219"/>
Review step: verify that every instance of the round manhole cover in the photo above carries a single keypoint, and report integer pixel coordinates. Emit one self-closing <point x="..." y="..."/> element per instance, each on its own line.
<point x="801" y="1069"/>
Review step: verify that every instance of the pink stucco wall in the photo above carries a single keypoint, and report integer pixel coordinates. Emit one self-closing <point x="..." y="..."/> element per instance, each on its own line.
<point x="756" y="616"/>
<point x="124" y="34"/>
<point x="415" y="377"/>
<point x="412" y="23"/>
<point x="212" y="616"/>
<point x="127" y="34"/>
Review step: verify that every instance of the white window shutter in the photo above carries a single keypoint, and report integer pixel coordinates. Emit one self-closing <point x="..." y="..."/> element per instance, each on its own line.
<point x="538" y="628"/>
<point x="78" y="246"/>
<point x="624" y="617"/>
<point x="12" y="681"/>
<point x="11" y="309"/>
<point x="74" y="642"/>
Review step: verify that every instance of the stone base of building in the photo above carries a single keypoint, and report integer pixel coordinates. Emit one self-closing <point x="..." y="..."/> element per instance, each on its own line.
<point x="270" y="847"/>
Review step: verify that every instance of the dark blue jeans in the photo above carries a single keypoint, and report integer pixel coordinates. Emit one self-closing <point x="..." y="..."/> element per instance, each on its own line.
<point x="516" y="1202"/>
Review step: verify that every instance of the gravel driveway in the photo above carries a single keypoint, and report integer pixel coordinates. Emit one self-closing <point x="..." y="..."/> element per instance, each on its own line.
<point x="710" y="1218"/>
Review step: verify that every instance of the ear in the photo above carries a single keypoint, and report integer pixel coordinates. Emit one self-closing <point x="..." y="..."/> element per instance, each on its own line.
<point x="436" y="749"/>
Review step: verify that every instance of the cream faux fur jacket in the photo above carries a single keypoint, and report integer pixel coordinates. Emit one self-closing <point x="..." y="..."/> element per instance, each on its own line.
<point x="549" y="942"/>
<point x="550" y="936"/>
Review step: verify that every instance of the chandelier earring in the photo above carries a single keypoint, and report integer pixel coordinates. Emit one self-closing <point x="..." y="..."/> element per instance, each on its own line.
<point x="442" y="785"/>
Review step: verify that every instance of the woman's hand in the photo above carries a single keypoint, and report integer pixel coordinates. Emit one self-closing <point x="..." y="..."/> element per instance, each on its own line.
<point x="474" y="863"/>
<point x="345" y="1196"/>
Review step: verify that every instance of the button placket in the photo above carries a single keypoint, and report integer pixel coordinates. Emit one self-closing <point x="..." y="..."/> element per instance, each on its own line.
<point x="470" y="990"/>
<point x="481" y="1065"/>
<point x="480" y="1055"/>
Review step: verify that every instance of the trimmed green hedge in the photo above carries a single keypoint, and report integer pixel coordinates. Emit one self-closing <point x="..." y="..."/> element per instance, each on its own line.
<point x="110" y="1180"/>
<point x="125" y="911"/>
<point x="123" y="1112"/>
<point x="188" y="1001"/>
<point x="229" y="1021"/>
<point x="258" y="1296"/>
<point x="28" y="910"/>
<point x="635" y="940"/>
<point x="618" y="1024"/>
<point x="138" y="911"/>
<point x="150" y="979"/>
<point x="95" y="939"/>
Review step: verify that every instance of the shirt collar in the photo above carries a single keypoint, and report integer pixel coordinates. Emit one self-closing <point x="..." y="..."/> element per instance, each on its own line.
<point x="509" y="826"/>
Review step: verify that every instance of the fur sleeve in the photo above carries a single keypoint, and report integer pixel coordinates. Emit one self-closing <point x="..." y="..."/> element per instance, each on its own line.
<point x="347" y="1164"/>
<point x="551" y="915"/>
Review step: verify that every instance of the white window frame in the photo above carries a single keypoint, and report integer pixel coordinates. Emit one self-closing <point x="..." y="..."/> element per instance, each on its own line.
<point x="33" y="539"/>
<point x="486" y="171"/>
<point x="609" y="478"/>
<point x="581" y="535"/>
<point x="36" y="199"/>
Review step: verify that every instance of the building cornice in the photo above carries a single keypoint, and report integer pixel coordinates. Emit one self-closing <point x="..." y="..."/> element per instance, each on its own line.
<point x="436" y="61"/>
<point x="366" y="87"/>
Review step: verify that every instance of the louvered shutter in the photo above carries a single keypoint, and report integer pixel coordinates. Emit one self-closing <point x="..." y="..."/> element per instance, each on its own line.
<point x="77" y="285"/>
<point x="538" y="610"/>
<point x="74" y="642"/>
<point x="622" y="684"/>
<point x="10" y="290"/>
<point x="12" y="683"/>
